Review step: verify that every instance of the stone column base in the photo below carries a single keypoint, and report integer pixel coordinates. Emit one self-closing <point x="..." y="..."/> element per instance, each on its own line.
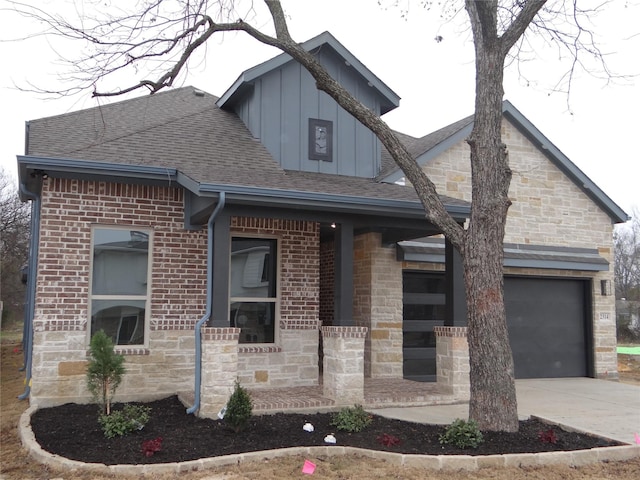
<point x="452" y="360"/>
<point x="219" y="368"/>
<point x="343" y="364"/>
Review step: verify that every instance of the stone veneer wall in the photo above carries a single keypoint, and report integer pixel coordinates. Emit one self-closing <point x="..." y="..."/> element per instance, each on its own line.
<point x="293" y="359"/>
<point x="378" y="305"/>
<point x="178" y="258"/>
<point x="548" y="209"/>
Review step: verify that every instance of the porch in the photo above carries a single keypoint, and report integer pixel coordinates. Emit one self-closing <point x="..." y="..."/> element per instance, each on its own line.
<point x="378" y="393"/>
<point x="343" y="381"/>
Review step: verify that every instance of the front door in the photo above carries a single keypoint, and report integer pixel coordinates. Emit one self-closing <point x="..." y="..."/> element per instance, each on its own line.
<point x="423" y="308"/>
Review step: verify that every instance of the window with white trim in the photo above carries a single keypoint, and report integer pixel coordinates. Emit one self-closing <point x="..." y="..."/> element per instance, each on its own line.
<point x="253" y="288"/>
<point x="120" y="271"/>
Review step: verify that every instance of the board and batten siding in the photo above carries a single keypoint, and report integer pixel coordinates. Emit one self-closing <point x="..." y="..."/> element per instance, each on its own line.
<point x="278" y="108"/>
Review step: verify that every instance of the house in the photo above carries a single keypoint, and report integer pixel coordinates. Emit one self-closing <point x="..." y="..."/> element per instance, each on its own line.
<point x="266" y="236"/>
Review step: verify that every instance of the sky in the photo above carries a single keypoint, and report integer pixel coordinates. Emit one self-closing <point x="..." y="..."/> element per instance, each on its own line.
<point x="596" y="126"/>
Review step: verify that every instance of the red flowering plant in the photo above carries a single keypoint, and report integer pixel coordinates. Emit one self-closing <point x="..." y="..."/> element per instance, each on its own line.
<point x="388" y="440"/>
<point x="149" y="447"/>
<point x="548" y="436"/>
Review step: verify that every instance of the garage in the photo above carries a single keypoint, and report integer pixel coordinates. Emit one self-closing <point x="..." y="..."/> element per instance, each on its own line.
<point x="547" y="325"/>
<point x="546" y="318"/>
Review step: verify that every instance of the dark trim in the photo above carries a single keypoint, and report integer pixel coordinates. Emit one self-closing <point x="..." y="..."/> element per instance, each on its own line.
<point x="588" y="328"/>
<point x="221" y="264"/>
<point x="391" y="99"/>
<point x="343" y="277"/>
<point x="320" y="148"/>
<point x="456" y="292"/>
<point x="515" y="255"/>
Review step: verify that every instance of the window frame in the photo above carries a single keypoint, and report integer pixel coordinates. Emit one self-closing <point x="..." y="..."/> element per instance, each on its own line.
<point x="146" y="298"/>
<point x="276" y="300"/>
<point x="314" y="125"/>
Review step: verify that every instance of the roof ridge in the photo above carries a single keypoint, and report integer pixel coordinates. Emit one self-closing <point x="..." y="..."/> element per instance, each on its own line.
<point x="145" y="97"/>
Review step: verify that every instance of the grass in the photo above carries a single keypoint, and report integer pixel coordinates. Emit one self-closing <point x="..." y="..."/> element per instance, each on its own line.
<point x="629" y="349"/>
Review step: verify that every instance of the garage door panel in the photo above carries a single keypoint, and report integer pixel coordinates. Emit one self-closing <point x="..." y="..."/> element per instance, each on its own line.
<point x="547" y="328"/>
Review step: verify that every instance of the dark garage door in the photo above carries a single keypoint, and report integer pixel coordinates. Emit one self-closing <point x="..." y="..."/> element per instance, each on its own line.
<point x="547" y="327"/>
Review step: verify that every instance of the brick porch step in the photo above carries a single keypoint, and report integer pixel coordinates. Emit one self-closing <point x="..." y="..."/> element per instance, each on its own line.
<point x="378" y="393"/>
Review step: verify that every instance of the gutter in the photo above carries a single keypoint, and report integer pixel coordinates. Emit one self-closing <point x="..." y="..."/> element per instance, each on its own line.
<point x="27" y="334"/>
<point x="207" y="315"/>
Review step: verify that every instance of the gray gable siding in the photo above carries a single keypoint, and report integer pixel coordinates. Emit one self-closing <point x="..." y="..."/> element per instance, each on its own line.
<point x="277" y="109"/>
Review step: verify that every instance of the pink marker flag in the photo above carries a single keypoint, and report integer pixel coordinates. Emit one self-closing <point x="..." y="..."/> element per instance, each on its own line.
<point x="637" y="437"/>
<point x="308" y="467"/>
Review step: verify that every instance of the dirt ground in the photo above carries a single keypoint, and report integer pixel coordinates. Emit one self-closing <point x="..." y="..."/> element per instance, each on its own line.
<point x="15" y="463"/>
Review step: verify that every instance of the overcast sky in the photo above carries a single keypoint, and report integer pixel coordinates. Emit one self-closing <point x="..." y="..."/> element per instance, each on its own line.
<point x="597" y="127"/>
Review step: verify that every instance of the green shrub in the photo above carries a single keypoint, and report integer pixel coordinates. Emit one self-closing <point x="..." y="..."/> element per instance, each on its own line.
<point x="239" y="408"/>
<point x="105" y="370"/>
<point x="125" y="421"/>
<point x="462" y="434"/>
<point x="351" y="419"/>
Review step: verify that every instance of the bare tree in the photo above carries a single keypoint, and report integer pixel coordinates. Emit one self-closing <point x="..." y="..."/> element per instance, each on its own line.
<point x="626" y="241"/>
<point x="167" y="33"/>
<point x="14" y="247"/>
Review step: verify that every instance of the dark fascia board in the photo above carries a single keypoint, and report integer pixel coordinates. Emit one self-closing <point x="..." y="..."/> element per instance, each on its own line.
<point x="582" y="181"/>
<point x="235" y="193"/>
<point x="433" y="152"/>
<point x="324" y="38"/>
<point x="243" y="195"/>
<point x="30" y="167"/>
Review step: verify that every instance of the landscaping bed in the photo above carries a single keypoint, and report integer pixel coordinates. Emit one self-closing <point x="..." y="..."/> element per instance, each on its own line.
<point x="73" y="431"/>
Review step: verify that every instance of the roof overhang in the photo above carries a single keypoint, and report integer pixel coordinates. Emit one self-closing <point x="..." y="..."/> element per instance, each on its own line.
<point x="32" y="169"/>
<point x="515" y="255"/>
<point x="400" y="219"/>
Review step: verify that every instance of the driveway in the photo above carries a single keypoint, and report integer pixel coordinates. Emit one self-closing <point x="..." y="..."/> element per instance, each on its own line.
<point x="605" y="408"/>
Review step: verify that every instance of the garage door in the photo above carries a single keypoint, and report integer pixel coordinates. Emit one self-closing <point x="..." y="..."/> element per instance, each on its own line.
<point x="547" y="327"/>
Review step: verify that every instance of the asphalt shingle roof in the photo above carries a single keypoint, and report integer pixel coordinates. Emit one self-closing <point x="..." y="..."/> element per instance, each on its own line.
<point x="184" y="129"/>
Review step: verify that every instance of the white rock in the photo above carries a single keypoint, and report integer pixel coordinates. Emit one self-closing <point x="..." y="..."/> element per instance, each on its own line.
<point x="330" y="439"/>
<point x="308" y="427"/>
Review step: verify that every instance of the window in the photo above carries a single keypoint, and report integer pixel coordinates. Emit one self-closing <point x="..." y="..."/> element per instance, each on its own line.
<point x="254" y="299"/>
<point x="320" y="140"/>
<point x="119" y="286"/>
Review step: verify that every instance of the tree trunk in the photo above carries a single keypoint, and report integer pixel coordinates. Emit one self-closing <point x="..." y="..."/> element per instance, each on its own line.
<point x="493" y="402"/>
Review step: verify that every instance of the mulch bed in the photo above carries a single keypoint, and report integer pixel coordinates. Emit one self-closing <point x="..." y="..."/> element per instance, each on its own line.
<point x="72" y="431"/>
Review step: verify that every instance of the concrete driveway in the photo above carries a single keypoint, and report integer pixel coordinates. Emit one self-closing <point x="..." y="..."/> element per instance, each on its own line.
<point x="605" y="408"/>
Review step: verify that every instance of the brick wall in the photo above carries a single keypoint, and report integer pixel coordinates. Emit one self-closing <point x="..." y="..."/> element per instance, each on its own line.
<point x="165" y="364"/>
<point x="293" y="360"/>
<point x="327" y="271"/>
<point x="61" y="334"/>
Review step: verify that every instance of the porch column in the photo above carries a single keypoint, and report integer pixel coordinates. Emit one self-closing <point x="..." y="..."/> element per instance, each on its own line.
<point x="456" y="295"/>
<point x="219" y="368"/>
<point x="452" y="360"/>
<point x="343" y="364"/>
<point x="221" y="265"/>
<point x="343" y="283"/>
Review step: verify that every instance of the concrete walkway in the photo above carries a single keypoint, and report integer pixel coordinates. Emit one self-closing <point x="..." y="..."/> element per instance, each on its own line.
<point x="605" y="408"/>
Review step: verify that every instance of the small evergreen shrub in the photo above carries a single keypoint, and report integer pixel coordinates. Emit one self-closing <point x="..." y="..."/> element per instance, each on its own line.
<point x="462" y="434"/>
<point x="239" y="408"/>
<point x="105" y="370"/>
<point x="351" y="419"/>
<point x="125" y="421"/>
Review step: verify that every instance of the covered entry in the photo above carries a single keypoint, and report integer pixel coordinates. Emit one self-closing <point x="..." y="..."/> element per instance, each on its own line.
<point x="547" y="326"/>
